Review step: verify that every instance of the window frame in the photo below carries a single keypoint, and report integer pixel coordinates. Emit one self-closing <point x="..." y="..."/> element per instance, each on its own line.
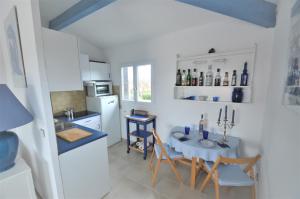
<point x="134" y="82"/>
<point x="135" y="79"/>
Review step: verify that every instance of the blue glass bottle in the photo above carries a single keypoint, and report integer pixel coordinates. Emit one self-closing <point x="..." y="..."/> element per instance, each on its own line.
<point x="237" y="95"/>
<point x="244" y="76"/>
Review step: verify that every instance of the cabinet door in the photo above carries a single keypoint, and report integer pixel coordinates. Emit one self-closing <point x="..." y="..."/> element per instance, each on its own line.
<point x="62" y="61"/>
<point x="85" y="172"/>
<point x="91" y="122"/>
<point x="100" y="71"/>
<point x="85" y="67"/>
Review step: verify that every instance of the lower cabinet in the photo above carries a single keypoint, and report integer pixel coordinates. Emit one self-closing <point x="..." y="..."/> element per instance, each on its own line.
<point x="17" y="182"/>
<point x="91" y="122"/>
<point x="85" y="172"/>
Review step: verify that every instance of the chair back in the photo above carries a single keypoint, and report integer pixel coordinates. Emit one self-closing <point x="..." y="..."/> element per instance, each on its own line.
<point x="160" y="144"/>
<point x="250" y="162"/>
<point x="157" y="138"/>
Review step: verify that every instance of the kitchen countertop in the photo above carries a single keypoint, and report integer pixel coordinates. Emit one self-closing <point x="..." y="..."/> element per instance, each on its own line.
<point x="64" y="146"/>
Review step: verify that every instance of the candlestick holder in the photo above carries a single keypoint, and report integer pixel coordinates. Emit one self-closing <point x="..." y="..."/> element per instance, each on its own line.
<point x="225" y="124"/>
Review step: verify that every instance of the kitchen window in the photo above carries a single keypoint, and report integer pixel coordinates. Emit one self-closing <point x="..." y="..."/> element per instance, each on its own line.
<point x="136" y="83"/>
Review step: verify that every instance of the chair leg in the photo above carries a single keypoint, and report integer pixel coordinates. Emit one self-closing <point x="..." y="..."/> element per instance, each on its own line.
<point x="151" y="160"/>
<point x="178" y="176"/>
<point x="253" y="192"/>
<point x="156" y="170"/>
<point x="217" y="190"/>
<point x="193" y="173"/>
<point x="205" y="182"/>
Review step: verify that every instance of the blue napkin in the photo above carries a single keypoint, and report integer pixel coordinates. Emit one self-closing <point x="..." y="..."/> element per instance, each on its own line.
<point x="223" y="145"/>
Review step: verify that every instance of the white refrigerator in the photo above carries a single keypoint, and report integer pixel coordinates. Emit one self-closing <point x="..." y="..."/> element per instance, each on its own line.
<point x="108" y="107"/>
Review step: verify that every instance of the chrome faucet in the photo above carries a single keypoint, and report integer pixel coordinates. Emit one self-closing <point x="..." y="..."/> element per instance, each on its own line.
<point x="69" y="112"/>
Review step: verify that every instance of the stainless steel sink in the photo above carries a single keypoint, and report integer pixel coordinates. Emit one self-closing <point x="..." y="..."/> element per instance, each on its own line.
<point x="61" y="126"/>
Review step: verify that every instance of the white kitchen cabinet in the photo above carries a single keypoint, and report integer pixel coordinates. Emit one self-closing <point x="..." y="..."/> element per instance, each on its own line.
<point x="91" y="122"/>
<point x="62" y="61"/>
<point x="99" y="71"/>
<point x="17" y="183"/>
<point x="85" y="67"/>
<point x="85" y="171"/>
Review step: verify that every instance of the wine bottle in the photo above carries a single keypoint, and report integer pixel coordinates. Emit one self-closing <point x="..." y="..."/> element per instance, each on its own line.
<point x="201" y="79"/>
<point x="194" y="77"/>
<point x="201" y="124"/>
<point x="189" y="78"/>
<point x="226" y="80"/>
<point x="244" y="76"/>
<point x="183" y="78"/>
<point x="209" y="76"/>
<point x="234" y="78"/>
<point x="218" y="78"/>
<point x="178" y="78"/>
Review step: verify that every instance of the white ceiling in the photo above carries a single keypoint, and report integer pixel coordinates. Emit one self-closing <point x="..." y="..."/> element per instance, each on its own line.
<point x="127" y="21"/>
<point x="52" y="8"/>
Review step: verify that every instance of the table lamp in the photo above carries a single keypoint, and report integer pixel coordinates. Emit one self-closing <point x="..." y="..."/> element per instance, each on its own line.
<point x="12" y="114"/>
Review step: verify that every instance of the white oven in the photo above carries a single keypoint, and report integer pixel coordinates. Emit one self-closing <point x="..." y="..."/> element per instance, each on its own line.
<point x="99" y="88"/>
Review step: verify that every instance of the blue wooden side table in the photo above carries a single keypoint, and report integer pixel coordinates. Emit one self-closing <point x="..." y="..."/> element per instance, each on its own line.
<point x="140" y="134"/>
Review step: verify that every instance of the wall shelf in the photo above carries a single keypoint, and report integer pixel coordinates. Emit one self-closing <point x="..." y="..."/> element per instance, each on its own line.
<point x="227" y="62"/>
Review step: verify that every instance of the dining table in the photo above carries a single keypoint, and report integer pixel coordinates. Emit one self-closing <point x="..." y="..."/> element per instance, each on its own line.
<point x="192" y="147"/>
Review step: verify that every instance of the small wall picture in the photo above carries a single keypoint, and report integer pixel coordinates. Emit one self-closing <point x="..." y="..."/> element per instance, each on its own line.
<point x="292" y="88"/>
<point x="11" y="28"/>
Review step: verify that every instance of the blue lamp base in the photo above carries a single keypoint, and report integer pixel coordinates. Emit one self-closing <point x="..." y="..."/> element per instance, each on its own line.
<point x="9" y="144"/>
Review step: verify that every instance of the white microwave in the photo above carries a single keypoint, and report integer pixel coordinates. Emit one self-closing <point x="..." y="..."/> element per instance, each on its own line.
<point x="99" y="88"/>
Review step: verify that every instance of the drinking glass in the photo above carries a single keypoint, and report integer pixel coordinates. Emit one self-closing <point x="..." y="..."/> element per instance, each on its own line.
<point x="205" y="135"/>
<point x="187" y="130"/>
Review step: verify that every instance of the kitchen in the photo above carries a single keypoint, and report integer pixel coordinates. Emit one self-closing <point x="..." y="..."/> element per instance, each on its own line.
<point x="85" y="111"/>
<point x="107" y="90"/>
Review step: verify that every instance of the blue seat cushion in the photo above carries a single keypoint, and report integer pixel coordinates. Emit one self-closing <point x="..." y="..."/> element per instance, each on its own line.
<point x="231" y="175"/>
<point x="171" y="152"/>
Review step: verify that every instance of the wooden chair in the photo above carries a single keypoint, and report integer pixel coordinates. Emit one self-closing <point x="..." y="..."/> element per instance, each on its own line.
<point x="228" y="172"/>
<point x="164" y="154"/>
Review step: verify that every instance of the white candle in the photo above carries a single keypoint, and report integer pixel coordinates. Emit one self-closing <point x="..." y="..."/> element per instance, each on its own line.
<point x="226" y="112"/>
<point x="233" y="113"/>
<point x="220" y="113"/>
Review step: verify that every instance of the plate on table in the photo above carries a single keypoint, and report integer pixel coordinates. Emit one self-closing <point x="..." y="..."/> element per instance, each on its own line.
<point x="207" y="143"/>
<point x="178" y="134"/>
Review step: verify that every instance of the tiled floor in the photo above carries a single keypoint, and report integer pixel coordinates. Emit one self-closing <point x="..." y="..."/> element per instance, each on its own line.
<point x="130" y="178"/>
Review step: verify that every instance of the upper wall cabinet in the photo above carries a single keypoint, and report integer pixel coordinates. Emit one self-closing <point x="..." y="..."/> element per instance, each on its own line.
<point x="99" y="71"/>
<point x="85" y="67"/>
<point x="62" y="61"/>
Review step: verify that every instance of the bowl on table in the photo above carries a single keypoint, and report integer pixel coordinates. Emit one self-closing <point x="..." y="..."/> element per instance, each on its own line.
<point x="202" y="98"/>
<point x="207" y="143"/>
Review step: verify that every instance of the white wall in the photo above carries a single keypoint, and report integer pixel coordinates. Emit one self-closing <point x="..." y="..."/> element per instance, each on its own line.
<point x="94" y="52"/>
<point x="162" y="52"/>
<point x="281" y="129"/>
<point x="38" y="149"/>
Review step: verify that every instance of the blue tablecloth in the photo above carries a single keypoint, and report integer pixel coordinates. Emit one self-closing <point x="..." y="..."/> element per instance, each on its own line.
<point x="192" y="147"/>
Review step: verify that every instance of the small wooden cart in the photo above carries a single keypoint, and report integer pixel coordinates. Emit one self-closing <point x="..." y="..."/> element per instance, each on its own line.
<point x="140" y="134"/>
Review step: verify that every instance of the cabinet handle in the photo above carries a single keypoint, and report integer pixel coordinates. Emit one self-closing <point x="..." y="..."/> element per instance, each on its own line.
<point x="111" y="102"/>
<point x="87" y="121"/>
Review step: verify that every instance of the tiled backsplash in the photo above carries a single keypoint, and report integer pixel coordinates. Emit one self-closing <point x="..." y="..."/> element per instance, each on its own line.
<point x="116" y="90"/>
<point x="61" y="100"/>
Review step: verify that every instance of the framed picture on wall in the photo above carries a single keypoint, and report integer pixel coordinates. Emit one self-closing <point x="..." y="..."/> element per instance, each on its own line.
<point x="11" y="28"/>
<point x="292" y="87"/>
